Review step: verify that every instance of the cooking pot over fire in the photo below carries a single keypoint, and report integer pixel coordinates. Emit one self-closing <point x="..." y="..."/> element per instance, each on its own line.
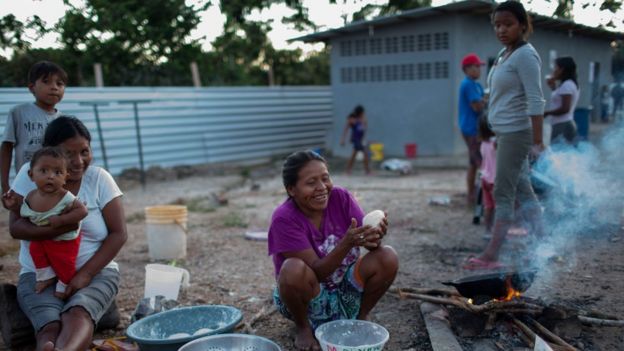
<point x="495" y="285"/>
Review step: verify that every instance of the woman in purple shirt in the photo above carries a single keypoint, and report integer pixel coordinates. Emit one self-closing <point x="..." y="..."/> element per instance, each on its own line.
<point x="315" y="239"/>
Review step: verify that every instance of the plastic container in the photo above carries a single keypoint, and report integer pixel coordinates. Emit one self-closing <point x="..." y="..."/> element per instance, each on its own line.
<point x="351" y="335"/>
<point x="376" y="150"/>
<point x="166" y="231"/>
<point x="164" y="280"/>
<point x="231" y="342"/>
<point x="411" y="150"/>
<point x="158" y="332"/>
<point x="581" y="118"/>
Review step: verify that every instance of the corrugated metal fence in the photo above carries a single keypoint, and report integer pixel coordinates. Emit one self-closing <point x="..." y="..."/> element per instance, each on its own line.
<point x="186" y="126"/>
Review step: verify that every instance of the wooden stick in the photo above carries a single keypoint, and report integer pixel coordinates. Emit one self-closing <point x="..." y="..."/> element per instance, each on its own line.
<point x="263" y="313"/>
<point x="527" y="340"/>
<point x="524" y="328"/>
<point x="601" y="322"/>
<point x="248" y="327"/>
<point x="438" y="327"/>
<point x="550" y="336"/>
<point x="433" y="299"/>
<point x="532" y="335"/>
<point x="597" y="314"/>
<point x="492" y="306"/>
<point x="426" y="291"/>
<point x="499" y="345"/>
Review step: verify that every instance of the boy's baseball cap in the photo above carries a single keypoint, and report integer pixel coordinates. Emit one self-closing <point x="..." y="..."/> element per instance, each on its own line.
<point x="471" y="59"/>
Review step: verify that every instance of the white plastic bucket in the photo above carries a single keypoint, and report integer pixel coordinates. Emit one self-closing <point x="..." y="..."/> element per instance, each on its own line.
<point x="166" y="231"/>
<point x="161" y="279"/>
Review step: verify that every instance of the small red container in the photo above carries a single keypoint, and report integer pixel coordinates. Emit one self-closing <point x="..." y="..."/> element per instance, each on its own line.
<point x="411" y="150"/>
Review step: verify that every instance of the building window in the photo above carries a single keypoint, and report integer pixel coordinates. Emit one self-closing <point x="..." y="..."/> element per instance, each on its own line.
<point x="423" y="71"/>
<point x="376" y="46"/>
<point x="360" y="47"/>
<point x="361" y="74"/>
<point x="441" y="41"/>
<point x="392" y="45"/>
<point x="346" y="75"/>
<point x="424" y="42"/>
<point x="407" y="71"/>
<point x="345" y="48"/>
<point x="407" y="43"/>
<point x="441" y="70"/>
<point x="392" y="72"/>
<point x="376" y="74"/>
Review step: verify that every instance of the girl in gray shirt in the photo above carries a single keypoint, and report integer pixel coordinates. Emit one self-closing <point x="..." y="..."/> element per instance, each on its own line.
<point x="516" y="107"/>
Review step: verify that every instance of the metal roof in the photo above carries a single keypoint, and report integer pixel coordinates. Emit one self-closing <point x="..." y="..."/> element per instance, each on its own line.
<point x="472" y="7"/>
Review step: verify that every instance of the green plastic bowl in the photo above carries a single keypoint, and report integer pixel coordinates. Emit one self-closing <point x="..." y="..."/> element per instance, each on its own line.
<point x="169" y="330"/>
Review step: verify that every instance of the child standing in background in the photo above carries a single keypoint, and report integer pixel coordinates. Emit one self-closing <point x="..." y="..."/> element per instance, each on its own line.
<point x="26" y="123"/>
<point x="488" y="172"/>
<point x="471" y="105"/>
<point x="51" y="204"/>
<point x="356" y="122"/>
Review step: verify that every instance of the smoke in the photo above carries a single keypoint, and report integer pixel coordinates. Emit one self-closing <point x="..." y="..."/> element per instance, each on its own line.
<point x="583" y="193"/>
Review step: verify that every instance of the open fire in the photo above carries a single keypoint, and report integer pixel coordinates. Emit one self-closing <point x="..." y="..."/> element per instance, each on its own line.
<point x="511" y="292"/>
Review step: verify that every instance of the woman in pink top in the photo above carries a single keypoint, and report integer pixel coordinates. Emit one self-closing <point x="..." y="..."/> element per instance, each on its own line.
<point x="315" y="239"/>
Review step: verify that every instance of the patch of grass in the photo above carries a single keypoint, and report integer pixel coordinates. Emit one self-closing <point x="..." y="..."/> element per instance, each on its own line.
<point x="200" y="204"/>
<point x="196" y="204"/>
<point x="234" y="220"/>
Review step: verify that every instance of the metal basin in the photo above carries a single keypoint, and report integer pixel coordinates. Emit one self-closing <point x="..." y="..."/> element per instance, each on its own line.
<point x="231" y="342"/>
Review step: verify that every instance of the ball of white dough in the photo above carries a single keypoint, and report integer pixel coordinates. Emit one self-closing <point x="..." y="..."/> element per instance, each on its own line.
<point x="373" y="218"/>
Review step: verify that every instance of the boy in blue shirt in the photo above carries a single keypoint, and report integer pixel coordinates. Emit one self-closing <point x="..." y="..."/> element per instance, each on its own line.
<point x="471" y="104"/>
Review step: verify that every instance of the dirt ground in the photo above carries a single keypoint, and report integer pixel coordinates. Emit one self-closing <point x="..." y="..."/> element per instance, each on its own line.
<point x="432" y="242"/>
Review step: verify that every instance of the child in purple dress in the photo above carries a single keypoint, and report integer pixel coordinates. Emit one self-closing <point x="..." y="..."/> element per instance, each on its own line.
<point x="356" y="122"/>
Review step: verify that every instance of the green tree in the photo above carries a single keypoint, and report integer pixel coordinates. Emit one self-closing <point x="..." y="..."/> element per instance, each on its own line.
<point x="13" y="32"/>
<point x="131" y="38"/>
<point x="564" y="7"/>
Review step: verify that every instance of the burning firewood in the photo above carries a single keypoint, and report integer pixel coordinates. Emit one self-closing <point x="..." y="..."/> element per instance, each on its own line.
<point x="513" y="306"/>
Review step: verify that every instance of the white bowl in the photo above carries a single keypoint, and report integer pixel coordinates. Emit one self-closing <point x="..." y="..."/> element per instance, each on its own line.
<point x="351" y="335"/>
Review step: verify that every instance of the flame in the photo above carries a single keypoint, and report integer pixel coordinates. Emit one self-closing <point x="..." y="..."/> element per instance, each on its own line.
<point x="511" y="292"/>
<point x="470" y="301"/>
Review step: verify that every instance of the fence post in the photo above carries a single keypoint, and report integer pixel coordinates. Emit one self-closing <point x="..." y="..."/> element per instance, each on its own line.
<point x="137" y="126"/>
<point x="195" y="75"/>
<point x="99" y="127"/>
<point x="99" y="77"/>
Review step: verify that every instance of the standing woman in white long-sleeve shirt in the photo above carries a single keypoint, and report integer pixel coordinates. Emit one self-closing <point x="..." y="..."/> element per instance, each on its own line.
<point x="516" y="108"/>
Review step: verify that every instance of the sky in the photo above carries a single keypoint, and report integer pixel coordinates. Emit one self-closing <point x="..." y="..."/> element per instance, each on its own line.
<point x="322" y="13"/>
